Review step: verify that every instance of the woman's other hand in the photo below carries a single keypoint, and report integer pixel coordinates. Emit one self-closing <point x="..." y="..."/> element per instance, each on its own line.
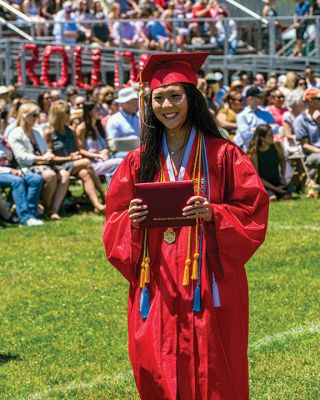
<point x="198" y="207"/>
<point x="75" y="156"/>
<point x="16" y="172"/>
<point x="48" y="156"/>
<point x="104" y="154"/>
<point x="137" y="212"/>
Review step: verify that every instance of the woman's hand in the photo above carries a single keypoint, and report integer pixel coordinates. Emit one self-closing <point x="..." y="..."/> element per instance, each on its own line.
<point x="104" y="154"/>
<point x="75" y="156"/>
<point x="198" y="207"/>
<point x="16" y="172"/>
<point x="137" y="212"/>
<point x="48" y="156"/>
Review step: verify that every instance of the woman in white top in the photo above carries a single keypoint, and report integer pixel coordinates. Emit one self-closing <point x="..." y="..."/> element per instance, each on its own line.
<point x="31" y="153"/>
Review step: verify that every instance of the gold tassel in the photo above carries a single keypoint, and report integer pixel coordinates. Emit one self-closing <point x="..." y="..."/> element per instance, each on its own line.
<point x="144" y="259"/>
<point x="142" y="274"/>
<point x="194" y="275"/>
<point x="147" y="270"/>
<point x="186" y="273"/>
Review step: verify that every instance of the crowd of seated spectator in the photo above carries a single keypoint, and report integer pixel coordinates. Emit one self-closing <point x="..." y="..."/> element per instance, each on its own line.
<point x="146" y="23"/>
<point x="67" y="133"/>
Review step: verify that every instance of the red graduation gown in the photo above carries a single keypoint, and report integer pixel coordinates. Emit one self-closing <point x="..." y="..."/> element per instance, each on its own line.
<point x="201" y="356"/>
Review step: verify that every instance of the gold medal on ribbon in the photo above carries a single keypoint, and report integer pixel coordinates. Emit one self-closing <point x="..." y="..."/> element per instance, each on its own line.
<point x="169" y="236"/>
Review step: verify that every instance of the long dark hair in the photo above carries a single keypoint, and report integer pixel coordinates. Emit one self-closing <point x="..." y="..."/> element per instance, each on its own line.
<point x="256" y="142"/>
<point x="91" y="130"/>
<point x="152" y="130"/>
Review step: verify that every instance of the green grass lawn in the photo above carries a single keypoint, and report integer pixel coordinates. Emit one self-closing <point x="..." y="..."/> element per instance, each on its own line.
<point x="63" y="332"/>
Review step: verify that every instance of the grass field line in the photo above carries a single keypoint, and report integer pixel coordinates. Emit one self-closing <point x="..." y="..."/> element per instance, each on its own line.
<point x="313" y="228"/>
<point x="100" y="380"/>
<point x="281" y="337"/>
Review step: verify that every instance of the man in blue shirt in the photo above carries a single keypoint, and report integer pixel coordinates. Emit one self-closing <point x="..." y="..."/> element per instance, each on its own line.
<point x="65" y="29"/>
<point x="307" y="128"/>
<point x="301" y="12"/>
<point x="251" y="117"/>
<point x="125" y="123"/>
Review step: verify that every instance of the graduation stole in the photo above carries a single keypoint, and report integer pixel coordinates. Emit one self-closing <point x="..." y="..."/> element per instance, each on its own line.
<point x="201" y="186"/>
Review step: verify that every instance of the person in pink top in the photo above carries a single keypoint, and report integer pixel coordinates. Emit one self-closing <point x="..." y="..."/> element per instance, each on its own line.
<point x="277" y="108"/>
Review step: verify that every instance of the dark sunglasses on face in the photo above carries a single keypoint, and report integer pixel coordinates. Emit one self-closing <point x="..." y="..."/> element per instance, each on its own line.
<point x="279" y="97"/>
<point x="34" y="114"/>
<point x="239" y="100"/>
<point x="3" y="114"/>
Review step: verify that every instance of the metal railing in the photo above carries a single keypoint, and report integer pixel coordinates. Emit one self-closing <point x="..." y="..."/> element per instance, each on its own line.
<point x="264" y="53"/>
<point x="257" y="32"/>
<point x="13" y="25"/>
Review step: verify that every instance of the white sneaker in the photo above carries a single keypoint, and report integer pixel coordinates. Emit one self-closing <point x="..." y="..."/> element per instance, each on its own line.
<point x="33" y="222"/>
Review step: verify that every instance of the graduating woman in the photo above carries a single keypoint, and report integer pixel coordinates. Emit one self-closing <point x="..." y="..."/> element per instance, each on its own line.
<point x="188" y="298"/>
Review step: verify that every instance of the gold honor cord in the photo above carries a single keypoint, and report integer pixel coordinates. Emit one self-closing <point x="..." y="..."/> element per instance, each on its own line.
<point x="186" y="274"/>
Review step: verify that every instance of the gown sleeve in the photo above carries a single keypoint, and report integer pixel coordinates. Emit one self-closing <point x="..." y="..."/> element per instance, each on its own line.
<point x="240" y="220"/>
<point x="122" y="242"/>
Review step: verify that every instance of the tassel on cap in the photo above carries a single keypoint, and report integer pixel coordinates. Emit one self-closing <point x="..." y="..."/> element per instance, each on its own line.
<point x="144" y="303"/>
<point x="197" y="298"/>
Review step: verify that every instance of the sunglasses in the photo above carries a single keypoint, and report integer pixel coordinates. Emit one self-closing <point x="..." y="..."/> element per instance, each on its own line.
<point x="279" y="97"/>
<point x="34" y="114"/>
<point x="239" y="100"/>
<point x="3" y="114"/>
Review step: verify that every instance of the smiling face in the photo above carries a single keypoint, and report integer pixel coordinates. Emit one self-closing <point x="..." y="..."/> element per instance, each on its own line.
<point x="170" y="106"/>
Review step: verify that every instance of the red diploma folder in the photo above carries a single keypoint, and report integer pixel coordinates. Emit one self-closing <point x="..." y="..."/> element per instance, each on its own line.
<point x="165" y="201"/>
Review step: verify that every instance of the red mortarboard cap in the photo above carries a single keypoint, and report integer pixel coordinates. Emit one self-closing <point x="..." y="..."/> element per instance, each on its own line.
<point x="166" y="69"/>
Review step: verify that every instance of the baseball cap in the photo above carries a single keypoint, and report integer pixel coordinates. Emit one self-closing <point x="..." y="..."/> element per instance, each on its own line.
<point x="254" y="91"/>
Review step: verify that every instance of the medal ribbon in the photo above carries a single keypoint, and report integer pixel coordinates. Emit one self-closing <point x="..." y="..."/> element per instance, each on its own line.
<point x="185" y="159"/>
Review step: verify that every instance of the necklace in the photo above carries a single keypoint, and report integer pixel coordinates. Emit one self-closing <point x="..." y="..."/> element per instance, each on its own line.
<point x="172" y="153"/>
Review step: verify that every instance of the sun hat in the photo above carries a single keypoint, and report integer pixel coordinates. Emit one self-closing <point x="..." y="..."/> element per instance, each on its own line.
<point x="4" y="90"/>
<point x="125" y="95"/>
